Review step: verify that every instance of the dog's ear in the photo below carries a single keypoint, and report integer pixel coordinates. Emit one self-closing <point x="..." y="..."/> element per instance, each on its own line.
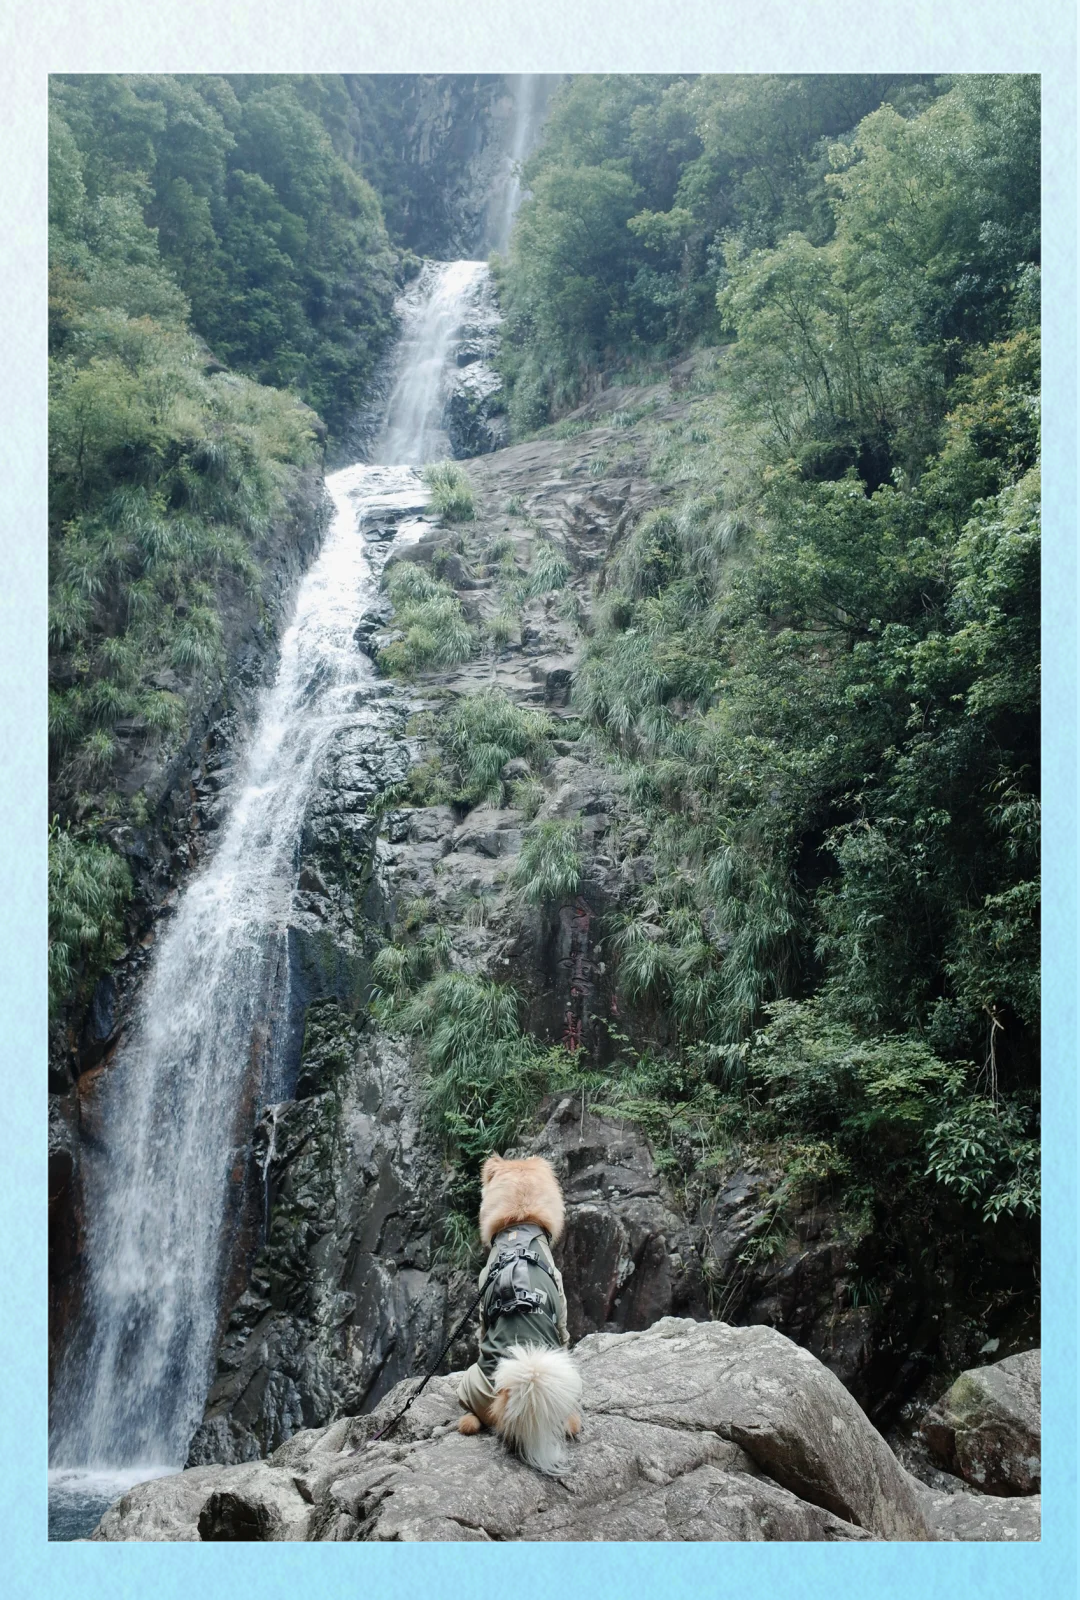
<point x="489" y="1169"/>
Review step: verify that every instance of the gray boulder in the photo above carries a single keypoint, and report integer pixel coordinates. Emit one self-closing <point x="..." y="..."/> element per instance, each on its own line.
<point x="691" y="1431"/>
<point x="987" y="1427"/>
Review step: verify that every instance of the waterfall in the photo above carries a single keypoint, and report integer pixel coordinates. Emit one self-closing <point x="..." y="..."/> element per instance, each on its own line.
<point x="431" y="315"/>
<point x="201" y="1056"/>
<point x="531" y="91"/>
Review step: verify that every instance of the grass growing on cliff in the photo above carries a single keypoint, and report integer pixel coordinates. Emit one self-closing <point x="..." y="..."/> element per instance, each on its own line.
<point x="451" y="491"/>
<point x="487" y="730"/>
<point x="549" y="866"/>
<point x="163" y="481"/>
<point x="548" y="570"/>
<point x="429" y="616"/>
<point x="474" y="739"/>
<point x="486" y="1076"/>
<point x="88" y="887"/>
<point x="399" y="968"/>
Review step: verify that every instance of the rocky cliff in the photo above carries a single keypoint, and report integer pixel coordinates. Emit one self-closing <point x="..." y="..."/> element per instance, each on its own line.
<point x="356" y="1282"/>
<point x="351" y="1288"/>
<point x="438" y="147"/>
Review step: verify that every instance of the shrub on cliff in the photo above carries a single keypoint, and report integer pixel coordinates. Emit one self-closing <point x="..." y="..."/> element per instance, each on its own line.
<point x="487" y="730"/>
<point x="88" y="887"/>
<point x="549" y="866"/>
<point x="486" y="1076"/>
<point x="429" y="617"/>
<point x="451" y="491"/>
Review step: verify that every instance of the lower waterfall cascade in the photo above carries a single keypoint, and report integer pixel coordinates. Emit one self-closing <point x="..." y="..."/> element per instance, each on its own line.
<point x="205" y="1051"/>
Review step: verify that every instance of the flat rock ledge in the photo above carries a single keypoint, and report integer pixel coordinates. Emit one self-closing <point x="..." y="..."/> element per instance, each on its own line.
<point x="695" y="1431"/>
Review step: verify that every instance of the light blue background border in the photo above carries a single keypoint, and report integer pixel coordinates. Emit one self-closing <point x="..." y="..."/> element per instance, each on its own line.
<point x="502" y="35"/>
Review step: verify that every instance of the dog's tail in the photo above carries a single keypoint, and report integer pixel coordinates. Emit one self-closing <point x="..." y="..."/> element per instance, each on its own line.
<point x="537" y="1392"/>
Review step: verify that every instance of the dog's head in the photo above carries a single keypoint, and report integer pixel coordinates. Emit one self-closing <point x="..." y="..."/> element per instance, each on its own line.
<point x="520" y="1191"/>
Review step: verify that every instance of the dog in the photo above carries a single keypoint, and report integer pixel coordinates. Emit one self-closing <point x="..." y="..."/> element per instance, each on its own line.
<point x="524" y="1384"/>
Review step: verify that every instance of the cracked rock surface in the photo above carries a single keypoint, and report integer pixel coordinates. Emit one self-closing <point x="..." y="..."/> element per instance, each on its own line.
<point x="692" y="1431"/>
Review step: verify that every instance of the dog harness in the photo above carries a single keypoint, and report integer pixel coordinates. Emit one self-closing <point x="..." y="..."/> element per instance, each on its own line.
<point x="509" y="1284"/>
<point x="522" y="1301"/>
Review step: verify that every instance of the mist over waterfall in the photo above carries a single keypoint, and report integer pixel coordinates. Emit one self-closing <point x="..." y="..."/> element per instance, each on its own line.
<point x="206" y="1051"/>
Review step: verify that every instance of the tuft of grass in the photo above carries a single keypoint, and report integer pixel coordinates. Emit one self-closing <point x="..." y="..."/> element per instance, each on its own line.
<point x="428" y="613"/>
<point x="549" y="866"/>
<point x="477" y="907"/>
<point x="548" y="570"/>
<point x="568" y="607"/>
<point x="527" y="796"/>
<point x="502" y="627"/>
<point x="397" y="970"/>
<point x="499" y="550"/>
<point x="415" y="911"/>
<point x="459" y="1245"/>
<point x="570" y="427"/>
<point x="486" y="731"/>
<point x="451" y="491"/>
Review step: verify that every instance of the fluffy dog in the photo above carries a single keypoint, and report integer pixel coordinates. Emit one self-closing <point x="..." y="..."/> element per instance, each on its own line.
<point x="524" y="1384"/>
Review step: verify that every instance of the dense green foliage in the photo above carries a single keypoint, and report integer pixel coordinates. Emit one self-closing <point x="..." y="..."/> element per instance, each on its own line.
<point x="638" y="183"/>
<point x="819" y="666"/>
<point x="274" y="239"/>
<point x="88" y="886"/>
<point x="181" y="212"/>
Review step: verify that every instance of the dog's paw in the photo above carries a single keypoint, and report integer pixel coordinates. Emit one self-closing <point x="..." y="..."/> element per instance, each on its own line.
<point x="573" y="1425"/>
<point x="469" y="1423"/>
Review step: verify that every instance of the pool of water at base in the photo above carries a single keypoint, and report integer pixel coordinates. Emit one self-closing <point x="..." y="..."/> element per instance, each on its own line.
<point x="79" y="1497"/>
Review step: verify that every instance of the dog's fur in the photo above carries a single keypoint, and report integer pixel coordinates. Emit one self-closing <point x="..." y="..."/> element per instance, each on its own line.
<point x="520" y="1191"/>
<point x="537" y="1389"/>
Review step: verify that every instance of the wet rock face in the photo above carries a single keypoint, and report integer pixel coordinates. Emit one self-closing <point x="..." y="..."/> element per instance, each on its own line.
<point x="987" y="1428"/>
<point x="792" y="1272"/>
<point x="627" y="1257"/>
<point x="474" y="417"/>
<point x="65" y="1221"/>
<point x="345" y="1298"/>
<point x="476" y="422"/>
<point x="691" y="1431"/>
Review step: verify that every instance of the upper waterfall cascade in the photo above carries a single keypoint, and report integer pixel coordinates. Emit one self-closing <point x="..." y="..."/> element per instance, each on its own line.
<point x="531" y="92"/>
<point x="431" y="313"/>
<point x="204" y="1052"/>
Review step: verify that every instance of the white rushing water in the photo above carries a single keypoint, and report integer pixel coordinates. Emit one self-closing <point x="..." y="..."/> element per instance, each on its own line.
<point x="178" y="1106"/>
<point x="431" y="313"/>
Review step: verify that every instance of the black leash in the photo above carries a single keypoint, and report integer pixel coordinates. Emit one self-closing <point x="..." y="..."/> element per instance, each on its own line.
<point x="435" y="1367"/>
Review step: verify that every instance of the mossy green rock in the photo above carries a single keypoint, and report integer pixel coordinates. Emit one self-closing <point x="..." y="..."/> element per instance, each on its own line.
<point x="987" y="1426"/>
